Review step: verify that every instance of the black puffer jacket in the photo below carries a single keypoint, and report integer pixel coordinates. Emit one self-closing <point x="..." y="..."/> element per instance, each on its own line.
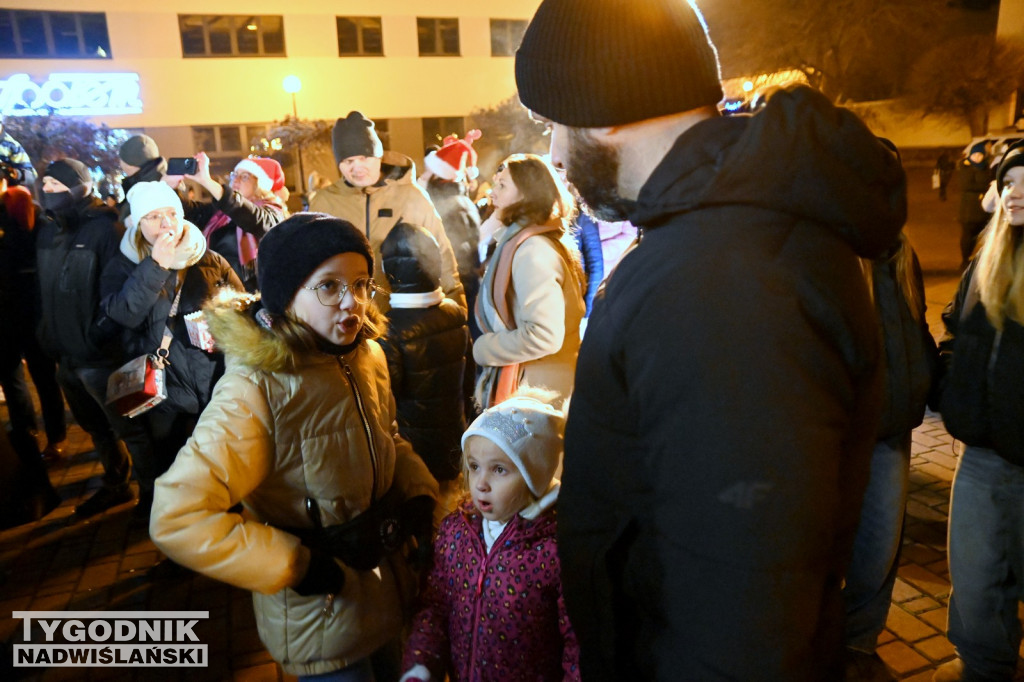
<point x="426" y="348"/>
<point x="910" y="359"/>
<point x="983" y="393"/>
<point x="726" y="400"/>
<point x="138" y="297"/>
<point x="253" y="218"/>
<point x="71" y="249"/>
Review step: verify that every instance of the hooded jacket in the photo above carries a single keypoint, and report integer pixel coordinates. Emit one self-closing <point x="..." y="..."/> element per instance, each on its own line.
<point x="727" y="396"/>
<point x="494" y="616"/>
<point x="137" y="294"/>
<point x="72" y="247"/>
<point x="283" y="426"/>
<point x="378" y="208"/>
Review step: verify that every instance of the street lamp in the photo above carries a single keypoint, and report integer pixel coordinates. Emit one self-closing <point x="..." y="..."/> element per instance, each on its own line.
<point x="292" y="84"/>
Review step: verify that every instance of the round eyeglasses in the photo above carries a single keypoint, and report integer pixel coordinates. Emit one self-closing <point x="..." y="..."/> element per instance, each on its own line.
<point x="331" y="291"/>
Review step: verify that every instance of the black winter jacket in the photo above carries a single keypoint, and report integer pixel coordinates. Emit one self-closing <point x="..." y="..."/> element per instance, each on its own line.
<point x="71" y="249"/>
<point x="726" y="402"/>
<point x="983" y="392"/>
<point x="426" y="352"/>
<point x="138" y="297"/>
<point x="910" y="360"/>
<point x="251" y="218"/>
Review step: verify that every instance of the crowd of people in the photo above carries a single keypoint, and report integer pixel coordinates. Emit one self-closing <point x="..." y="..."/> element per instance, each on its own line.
<point x="645" y="416"/>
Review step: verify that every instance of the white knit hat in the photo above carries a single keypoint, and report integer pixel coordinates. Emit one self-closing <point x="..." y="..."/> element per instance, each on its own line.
<point x="144" y="197"/>
<point x="529" y="432"/>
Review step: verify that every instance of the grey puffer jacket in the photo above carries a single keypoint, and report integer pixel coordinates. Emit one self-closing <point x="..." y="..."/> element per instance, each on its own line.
<point x="283" y="426"/>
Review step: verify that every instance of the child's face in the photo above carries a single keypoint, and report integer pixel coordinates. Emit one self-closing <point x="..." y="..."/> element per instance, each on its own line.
<point x="498" y="489"/>
<point x="340" y="322"/>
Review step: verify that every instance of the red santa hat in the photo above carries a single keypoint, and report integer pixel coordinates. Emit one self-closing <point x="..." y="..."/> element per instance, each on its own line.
<point x="456" y="159"/>
<point x="268" y="172"/>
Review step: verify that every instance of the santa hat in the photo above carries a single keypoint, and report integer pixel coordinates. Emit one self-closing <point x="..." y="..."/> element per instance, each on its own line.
<point x="268" y="172"/>
<point x="456" y="159"/>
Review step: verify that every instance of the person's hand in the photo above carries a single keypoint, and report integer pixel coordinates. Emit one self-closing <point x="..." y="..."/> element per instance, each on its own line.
<point x="173" y="180"/>
<point x="202" y="176"/>
<point x="163" y="250"/>
<point x="324" y="575"/>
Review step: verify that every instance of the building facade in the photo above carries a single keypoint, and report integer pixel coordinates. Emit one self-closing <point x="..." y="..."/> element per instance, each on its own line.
<point x="211" y="75"/>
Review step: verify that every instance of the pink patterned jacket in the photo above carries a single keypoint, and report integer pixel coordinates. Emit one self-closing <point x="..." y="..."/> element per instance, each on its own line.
<point x="497" y="617"/>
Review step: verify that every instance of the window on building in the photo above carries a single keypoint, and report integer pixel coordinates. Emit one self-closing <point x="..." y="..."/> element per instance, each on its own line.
<point x="29" y="34"/>
<point x="231" y="35"/>
<point x="506" y="34"/>
<point x="438" y="37"/>
<point x="436" y="129"/>
<point x="360" y="36"/>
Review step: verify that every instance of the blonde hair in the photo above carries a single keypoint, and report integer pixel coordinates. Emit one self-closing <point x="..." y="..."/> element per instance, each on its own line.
<point x="1000" y="270"/>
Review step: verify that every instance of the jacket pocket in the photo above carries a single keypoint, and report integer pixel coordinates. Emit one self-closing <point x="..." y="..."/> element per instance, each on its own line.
<point x="964" y="403"/>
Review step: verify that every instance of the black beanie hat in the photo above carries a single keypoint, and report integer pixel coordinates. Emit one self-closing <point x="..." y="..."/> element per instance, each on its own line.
<point x="1013" y="157"/>
<point x="355" y="135"/>
<point x="71" y="172"/>
<point x="137" y="150"/>
<point x="596" y="63"/>
<point x="296" y="247"/>
<point x="411" y="260"/>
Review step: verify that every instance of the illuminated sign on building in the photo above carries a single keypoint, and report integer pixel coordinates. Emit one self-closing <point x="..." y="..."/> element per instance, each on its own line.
<point x="71" y="94"/>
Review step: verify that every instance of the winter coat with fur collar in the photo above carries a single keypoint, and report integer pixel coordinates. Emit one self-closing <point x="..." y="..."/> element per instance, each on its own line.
<point x="283" y="426"/>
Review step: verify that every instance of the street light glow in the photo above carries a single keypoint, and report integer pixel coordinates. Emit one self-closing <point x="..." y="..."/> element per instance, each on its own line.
<point x="291" y="84"/>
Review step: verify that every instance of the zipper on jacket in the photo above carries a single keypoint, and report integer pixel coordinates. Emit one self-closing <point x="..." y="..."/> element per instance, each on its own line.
<point x="367" y="216"/>
<point x="488" y="555"/>
<point x="366" y="424"/>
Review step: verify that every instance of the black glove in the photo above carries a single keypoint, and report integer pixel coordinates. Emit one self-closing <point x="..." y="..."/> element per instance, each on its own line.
<point x="324" y="575"/>
<point x="418" y="522"/>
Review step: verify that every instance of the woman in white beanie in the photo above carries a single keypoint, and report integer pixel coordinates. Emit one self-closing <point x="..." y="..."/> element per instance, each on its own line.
<point x="163" y="273"/>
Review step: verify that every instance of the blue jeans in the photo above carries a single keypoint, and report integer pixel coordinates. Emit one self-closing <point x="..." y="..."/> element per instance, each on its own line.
<point x="986" y="563"/>
<point x="872" y="571"/>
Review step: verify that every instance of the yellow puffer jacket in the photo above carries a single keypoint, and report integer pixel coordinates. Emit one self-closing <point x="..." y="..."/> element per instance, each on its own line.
<point x="377" y="209"/>
<point x="282" y="427"/>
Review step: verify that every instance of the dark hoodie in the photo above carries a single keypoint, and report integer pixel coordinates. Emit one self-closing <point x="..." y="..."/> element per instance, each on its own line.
<point x="726" y="400"/>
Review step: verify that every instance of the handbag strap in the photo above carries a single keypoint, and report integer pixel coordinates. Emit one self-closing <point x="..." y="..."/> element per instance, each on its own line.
<point x="164" y="351"/>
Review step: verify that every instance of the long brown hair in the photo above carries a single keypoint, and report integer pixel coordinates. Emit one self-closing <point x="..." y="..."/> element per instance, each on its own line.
<point x="546" y="199"/>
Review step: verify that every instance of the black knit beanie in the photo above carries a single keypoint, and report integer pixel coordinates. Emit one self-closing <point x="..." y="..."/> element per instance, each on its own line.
<point x="296" y="247"/>
<point x="411" y="260"/>
<point x="355" y="135"/>
<point x="138" y="149"/>
<point x="1013" y="157"/>
<point x="71" y="172"/>
<point x="595" y="63"/>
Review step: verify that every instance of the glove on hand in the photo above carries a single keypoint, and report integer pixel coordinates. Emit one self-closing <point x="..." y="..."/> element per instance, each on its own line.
<point x="418" y="521"/>
<point x="324" y="575"/>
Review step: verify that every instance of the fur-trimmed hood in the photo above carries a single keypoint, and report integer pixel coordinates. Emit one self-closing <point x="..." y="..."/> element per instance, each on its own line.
<point x="233" y="320"/>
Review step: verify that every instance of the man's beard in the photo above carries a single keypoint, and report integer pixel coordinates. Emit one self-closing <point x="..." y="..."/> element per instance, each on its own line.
<point x="593" y="169"/>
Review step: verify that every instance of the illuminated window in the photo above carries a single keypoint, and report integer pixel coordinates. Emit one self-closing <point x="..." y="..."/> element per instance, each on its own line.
<point x="438" y="37"/>
<point x="231" y="35"/>
<point x="436" y="129"/>
<point x="506" y="34"/>
<point x="360" y="36"/>
<point x="27" y="34"/>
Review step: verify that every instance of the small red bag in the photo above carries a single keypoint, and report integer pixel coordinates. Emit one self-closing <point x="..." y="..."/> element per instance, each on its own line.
<point x="137" y="386"/>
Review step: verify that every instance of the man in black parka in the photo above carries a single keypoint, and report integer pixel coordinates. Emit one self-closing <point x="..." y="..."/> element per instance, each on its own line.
<point x="727" y="388"/>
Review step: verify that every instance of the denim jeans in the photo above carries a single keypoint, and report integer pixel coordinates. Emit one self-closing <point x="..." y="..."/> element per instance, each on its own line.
<point x="986" y="563"/>
<point x="872" y="571"/>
